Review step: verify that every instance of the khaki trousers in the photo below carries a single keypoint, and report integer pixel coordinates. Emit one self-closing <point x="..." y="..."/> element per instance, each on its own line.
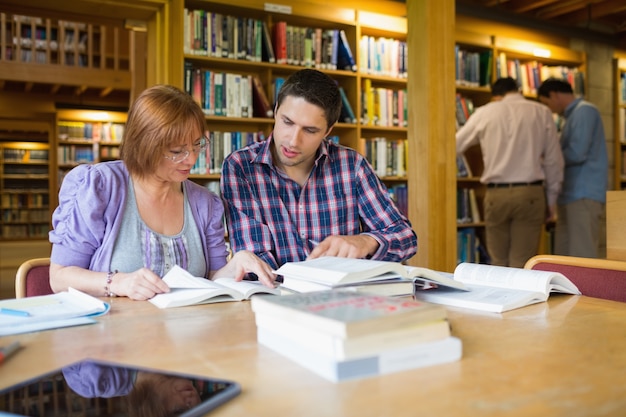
<point x="514" y="217"/>
<point x="579" y="228"/>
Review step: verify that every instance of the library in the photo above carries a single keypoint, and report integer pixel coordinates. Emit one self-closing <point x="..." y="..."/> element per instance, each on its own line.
<point x="69" y="72"/>
<point x="409" y="72"/>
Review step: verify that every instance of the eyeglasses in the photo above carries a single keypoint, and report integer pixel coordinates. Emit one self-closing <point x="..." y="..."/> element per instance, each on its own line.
<point x="179" y="156"/>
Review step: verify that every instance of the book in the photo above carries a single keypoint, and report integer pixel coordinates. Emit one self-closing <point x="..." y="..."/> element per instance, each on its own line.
<point x="347" y="114"/>
<point x="335" y="271"/>
<point x="51" y="311"/>
<point x="413" y="356"/>
<point x="185" y="290"/>
<point x="346" y="314"/>
<point x="262" y="106"/>
<point x="393" y="287"/>
<point x="345" y="58"/>
<point x="498" y="288"/>
<point x="340" y="348"/>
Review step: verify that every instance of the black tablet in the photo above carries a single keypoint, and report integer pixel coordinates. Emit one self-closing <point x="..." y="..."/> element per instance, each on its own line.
<point x="97" y="388"/>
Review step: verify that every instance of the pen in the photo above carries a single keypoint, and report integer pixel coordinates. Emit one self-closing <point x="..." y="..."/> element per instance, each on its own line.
<point x="7" y="351"/>
<point x="13" y="312"/>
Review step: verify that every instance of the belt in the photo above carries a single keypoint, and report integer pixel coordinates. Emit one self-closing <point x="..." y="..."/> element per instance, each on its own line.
<point x="513" y="184"/>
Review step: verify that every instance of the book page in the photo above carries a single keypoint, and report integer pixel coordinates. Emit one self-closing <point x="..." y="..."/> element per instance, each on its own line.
<point x="440" y="278"/>
<point x="334" y="270"/>
<point x="483" y="298"/>
<point x="177" y="277"/>
<point x="62" y="305"/>
<point x="247" y="288"/>
<point x="505" y="277"/>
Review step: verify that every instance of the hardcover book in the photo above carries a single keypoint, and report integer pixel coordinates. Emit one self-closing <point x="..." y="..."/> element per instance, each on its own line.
<point x="413" y="356"/>
<point x="340" y="348"/>
<point x="346" y="314"/>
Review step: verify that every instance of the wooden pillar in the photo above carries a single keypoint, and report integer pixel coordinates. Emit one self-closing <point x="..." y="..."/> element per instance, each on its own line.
<point x="432" y="171"/>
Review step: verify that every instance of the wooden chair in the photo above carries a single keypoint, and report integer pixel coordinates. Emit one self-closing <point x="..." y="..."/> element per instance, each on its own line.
<point x="33" y="278"/>
<point x="600" y="278"/>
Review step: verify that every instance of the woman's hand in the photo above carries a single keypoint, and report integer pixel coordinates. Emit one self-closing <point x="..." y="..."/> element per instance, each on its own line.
<point x="246" y="262"/>
<point x="142" y="284"/>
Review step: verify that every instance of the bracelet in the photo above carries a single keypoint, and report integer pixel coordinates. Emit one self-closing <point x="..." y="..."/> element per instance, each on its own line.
<point x="107" y="286"/>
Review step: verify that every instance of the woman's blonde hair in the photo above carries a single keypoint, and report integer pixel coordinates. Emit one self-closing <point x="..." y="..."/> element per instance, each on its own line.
<point x="160" y="117"/>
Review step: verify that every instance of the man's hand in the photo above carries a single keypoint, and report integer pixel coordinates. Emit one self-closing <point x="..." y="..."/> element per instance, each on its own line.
<point x="245" y="262"/>
<point x="357" y="246"/>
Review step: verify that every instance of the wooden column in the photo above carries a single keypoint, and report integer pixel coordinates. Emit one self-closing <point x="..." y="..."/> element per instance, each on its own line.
<point x="432" y="167"/>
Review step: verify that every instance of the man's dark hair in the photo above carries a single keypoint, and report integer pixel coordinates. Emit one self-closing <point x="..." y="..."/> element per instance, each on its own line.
<point x="503" y="86"/>
<point x="316" y="88"/>
<point x="554" y="84"/>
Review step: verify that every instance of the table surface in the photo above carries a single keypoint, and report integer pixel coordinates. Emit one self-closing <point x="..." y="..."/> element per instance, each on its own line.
<point x="566" y="357"/>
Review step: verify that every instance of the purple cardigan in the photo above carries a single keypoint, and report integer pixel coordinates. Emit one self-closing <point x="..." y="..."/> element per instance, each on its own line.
<point x="88" y="218"/>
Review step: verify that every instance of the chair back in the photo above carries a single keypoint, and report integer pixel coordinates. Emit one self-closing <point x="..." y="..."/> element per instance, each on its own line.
<point x="33" y="278"/>
<point x="600" y="278"/>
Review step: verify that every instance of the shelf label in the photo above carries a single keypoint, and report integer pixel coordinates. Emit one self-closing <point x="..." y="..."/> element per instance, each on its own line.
<point x="277" y="8"/>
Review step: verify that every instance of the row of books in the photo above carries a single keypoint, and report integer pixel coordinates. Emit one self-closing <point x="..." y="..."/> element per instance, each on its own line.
<point x="469" y="247"/>
<point x="530" y="74"/>
<point x="464" y="109"/>
<point x="28" y="200"/>
<point x="15" y="231"/>
<point x="108" y="132"/>
<point x="473" y="69"/>
<point x="400" y="195"/>
<point x="467" y="206"/>
<point x="25" y="155"/>
<point x="24" y="169"/>
<point x="76" y="154"/>
<point x="383" y="56"/>
<point x="25" y="216"/>
<point x="228" y="94"/>
<point x="236" y="37"/>
<point x="383" y="106"/>
<point x="221" y="144"/>
<point x="387" y="156"/>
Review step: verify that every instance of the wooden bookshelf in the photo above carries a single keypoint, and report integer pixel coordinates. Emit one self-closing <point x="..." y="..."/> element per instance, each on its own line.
<point x="202" y="59"/>
<point x="86" y="137"/>
<point x="25" y="168"/>
<point x="515" y="58"/>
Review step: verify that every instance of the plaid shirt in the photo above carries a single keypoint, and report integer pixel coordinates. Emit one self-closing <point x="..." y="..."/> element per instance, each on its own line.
<point x="272" y="216"/>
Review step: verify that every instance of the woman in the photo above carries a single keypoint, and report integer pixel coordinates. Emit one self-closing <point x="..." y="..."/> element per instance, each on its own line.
<point x="121" y="225"/>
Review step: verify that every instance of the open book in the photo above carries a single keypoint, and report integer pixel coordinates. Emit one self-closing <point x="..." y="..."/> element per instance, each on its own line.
<point x="333" y="272"/>
<point x="185" y="289"/>
<point x="498" y="288"/>
<point x="63" y="309"/>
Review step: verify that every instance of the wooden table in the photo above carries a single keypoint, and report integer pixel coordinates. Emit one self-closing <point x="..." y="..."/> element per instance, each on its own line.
<point x="566" y="357"/>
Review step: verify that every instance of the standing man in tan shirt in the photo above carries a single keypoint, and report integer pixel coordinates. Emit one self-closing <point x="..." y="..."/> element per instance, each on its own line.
<point x="523" y="170"/>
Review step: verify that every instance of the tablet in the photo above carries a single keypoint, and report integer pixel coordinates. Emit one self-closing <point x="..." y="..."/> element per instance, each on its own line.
<point x="93" y="388"/>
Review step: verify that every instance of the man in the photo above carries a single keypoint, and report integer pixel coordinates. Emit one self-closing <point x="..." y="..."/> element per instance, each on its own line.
<point x="523" y="167"/>
<point x="582" y="201"/>
<point x="297" y="195"/>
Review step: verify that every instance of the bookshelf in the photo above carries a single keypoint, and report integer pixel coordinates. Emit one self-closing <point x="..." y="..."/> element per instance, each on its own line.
<point x="26" y="168"/>
<point x="213" y="71"/>
<point x="620" y="124"/>
<point x="481" y="59"/>
<point x="85" y="137"/>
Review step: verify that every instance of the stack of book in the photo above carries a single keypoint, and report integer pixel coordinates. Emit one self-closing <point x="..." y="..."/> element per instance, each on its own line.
<point x="341" y="335"/>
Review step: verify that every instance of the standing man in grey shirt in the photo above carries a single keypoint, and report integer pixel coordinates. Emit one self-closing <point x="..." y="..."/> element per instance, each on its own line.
<point x="581" y="204"/>
<point x="523" y="167"/>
